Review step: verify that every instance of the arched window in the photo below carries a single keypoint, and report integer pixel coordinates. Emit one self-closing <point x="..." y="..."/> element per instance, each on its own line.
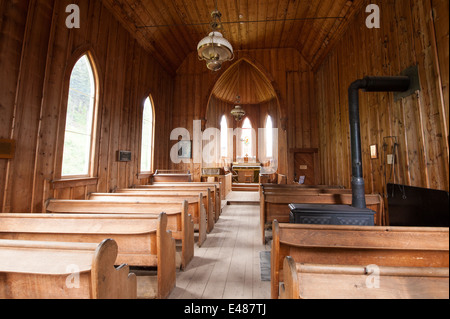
<point x="148" y="129"/>
<point x="247" y="138"/>
<point x="224" y="137"/>
<point x="269" y="137"/>
<point x="80" y="120"/>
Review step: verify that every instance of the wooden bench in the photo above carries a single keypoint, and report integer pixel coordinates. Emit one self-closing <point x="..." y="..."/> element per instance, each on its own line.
<point x="315" y="281"/>
<point x="181" y="194"/>
<point x="143" y="240"/>
<point x="356" y="245"/>
<point x="57" y="270"/>
<point x="275" y="205"/>
<point x="172" y="176"/>
<point x="216" y="188"/>
<point x="178" y="219"/>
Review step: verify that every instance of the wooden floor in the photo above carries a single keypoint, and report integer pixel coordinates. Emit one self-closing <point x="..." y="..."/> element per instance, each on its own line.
<point x="227" y="266"/>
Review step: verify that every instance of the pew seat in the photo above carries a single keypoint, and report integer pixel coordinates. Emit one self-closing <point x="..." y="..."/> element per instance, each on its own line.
<point x="60" y="270"/>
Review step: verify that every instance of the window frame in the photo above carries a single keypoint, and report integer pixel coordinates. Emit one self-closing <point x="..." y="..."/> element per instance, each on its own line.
<point x="93" y="138"/>
<point x="152" y="146"/>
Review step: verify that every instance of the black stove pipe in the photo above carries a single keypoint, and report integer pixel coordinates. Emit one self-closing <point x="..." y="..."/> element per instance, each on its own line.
<point x="368" y="84"/>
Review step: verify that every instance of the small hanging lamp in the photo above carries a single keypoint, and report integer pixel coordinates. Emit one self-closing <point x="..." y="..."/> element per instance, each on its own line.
<point x="238" y="112"/>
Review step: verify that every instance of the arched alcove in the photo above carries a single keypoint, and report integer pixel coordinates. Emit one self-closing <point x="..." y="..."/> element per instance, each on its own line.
<point x="257" y="96"/>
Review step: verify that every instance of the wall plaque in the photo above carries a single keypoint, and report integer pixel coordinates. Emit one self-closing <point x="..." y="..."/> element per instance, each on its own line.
<point x="7" y="149"/>
<point x="124" y="156"/>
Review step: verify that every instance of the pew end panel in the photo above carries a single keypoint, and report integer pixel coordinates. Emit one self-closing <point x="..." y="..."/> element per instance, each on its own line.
<point x="166" y="259"/>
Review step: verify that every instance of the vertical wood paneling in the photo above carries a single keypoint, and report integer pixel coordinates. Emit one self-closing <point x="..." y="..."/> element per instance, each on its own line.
<point x="408" y="36"/>
<point x="37" y="52"/>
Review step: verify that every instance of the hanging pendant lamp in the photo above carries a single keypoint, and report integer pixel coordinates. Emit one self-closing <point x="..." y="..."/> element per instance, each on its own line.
<point x="215" y="49"/>
<point x="238" y="113"/>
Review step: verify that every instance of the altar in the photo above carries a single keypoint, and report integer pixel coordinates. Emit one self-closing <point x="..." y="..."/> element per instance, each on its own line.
<point x="247" y="172"/>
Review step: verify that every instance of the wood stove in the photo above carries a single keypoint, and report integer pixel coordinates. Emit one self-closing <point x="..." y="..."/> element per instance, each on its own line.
<point x="331" y="215"/>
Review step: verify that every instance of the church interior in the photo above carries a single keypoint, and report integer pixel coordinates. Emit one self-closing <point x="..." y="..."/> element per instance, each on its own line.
<point x="224" y="149"/>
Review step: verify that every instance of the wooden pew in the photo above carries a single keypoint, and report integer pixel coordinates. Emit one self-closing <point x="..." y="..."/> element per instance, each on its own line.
<point x="179" y="221"/>
<point x="216" y="188"/>
<point x="356" y="245"/>
<point x="172" y="176"/>
<point x="182" y="226"/>
<point x="143" y="240"/>
<point x="316" y="281"/>
<point x="57" y="270"/>
<point x="298" y="186"/>
<point x="181" y="194"/>
<point x="275" y="204"/>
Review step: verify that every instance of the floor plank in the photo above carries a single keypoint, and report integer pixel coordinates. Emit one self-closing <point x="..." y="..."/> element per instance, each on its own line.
<point x="227" y="265"/>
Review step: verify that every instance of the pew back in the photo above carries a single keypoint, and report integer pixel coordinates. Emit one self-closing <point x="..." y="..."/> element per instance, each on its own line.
<point x="214" y="188"/>
<point x="177" y="211"/>
<point x="49" y="270"/>
<point x="319" y="281"/>
<point x="357" y="245"/>
<point x="206" y="195"/>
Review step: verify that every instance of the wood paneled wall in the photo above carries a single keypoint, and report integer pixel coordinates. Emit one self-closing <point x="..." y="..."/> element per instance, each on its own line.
<point x="37" y="51"/>
<point x="411" y="33"/>
<point x="292" y="79"/>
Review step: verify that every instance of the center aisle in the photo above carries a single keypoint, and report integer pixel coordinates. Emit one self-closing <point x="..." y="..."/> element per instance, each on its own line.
<point x="227" y="266"/>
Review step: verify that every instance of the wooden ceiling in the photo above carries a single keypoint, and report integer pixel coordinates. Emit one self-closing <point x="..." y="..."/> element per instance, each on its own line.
<point x="171" y="29"/>
<point x="245" y="80"/>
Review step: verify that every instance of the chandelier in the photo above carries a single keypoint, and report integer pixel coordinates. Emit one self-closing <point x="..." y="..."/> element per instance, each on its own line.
<point x="215" y="49"/>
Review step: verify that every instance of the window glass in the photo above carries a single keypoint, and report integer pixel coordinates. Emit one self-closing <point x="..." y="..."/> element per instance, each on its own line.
<point x="269" y="137"/>
<point x="246" y="138"/>
<point x="224" y="137"/>
<point x="79" y="121"/>
<point x="147" y="137"/>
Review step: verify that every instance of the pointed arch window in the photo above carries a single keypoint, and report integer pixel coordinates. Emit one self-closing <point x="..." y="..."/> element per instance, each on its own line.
<point x="224" y="137"/>
<point x="148" y="134"/>
<point x="247" y="138"/>
<point x="269" y="137"/>
<point x="80" y="120"/>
